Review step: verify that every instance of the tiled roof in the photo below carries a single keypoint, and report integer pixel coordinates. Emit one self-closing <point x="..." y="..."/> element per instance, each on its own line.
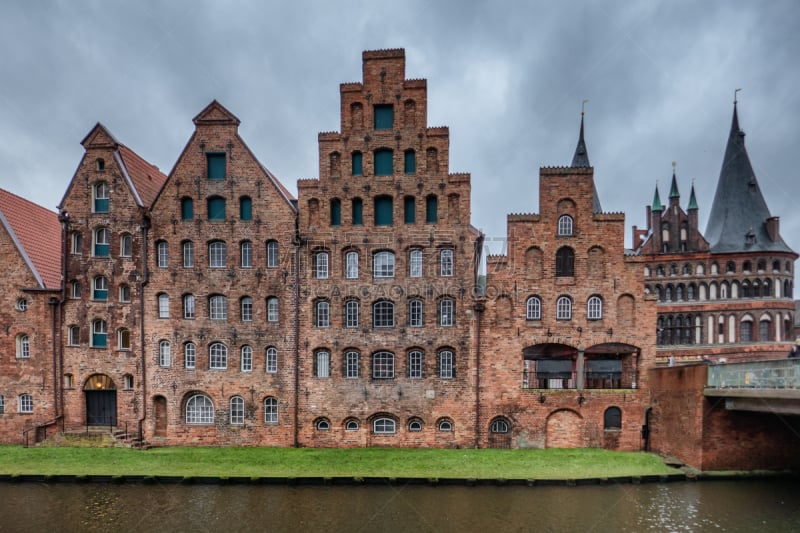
<point x="146" y="178"/>
<point x="37" y="233"/>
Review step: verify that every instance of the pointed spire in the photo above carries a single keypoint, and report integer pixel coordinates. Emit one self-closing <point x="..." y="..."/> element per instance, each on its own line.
<point x="657" y="201"/>
<point x="581" y="157"/>
<point x="692" y="200"/>
<point x="673" y="190"/>
<point x="738" y="217"/>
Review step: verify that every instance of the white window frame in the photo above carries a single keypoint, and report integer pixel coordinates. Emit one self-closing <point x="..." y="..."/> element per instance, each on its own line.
<point x="164" y="353"/>
<point x="415" y="364"/>
<point x="384" y="426"/>
<point x="23" y="346"/>
<point x="272" y="309"/>
<point x="247" y="359"/>
<point x="190" y="356"/>
<point x="322" y="314"/>
<point x="217" y="356"/>
<point x="125" y="293"/>
<point x="351" y="265"/>
<point x="99" y="283"/>
<point x="352" y="366"/>
<point x="565" y="226"/>
<point x="447" y="364"/>
<point x="351" y="313"/>
<point x="121" y="344"/>
<point x="564" y="308"/>
<point x="415" y="313"/>
<point x="246" y="309"/>
<point x="270" y="410"/>
<point x="273" y="258"/>
<point x="236" y="412"/>
<point x="199" y="410"/>
<point x="163" y="306"/>
<point x="126" y="245"/>
<point x="75" y="290"/>
<point x="321" y="265"/>
<point x="246" y="254"/>
<point x="74" y="336"/>
<point x="533" y="308"/>
<point x="76" y="243"/>
<point x="447" y="312"/>
<point x="217" y="254"/>
<point x="162" y="254"/>
<point x="188" y="254"/>
<point x="25" y="403"/>
<point x="189" y="308"/>
<point x="594" y="308"/>
<point x="322" y="364"/>
<point x="415" y="264"/>
<point x="383" y="264"/>
<point x="271" y="360"/>
<point x="218" y="307"/>
<point x="446" y="262"/>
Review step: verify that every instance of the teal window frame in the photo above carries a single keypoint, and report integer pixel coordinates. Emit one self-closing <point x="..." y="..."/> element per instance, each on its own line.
<point x="245" y="208"/>
<point x="99" y="334"/>
<point x="216" y="165"/>
<point x="357" y="162"/>
<point x="102" y="249"/>
<point x="384" y="162"/>
<point x="187" y="209"/>
<point x="216" y="208"/>
<point x="336" y="212"/>
<point x="409" y="210"/>
<point x="384" y="207"/>
<point x="431" y="209"/>
<point x="358" y="211"/>
<point x="383" y="116"/>
<point x="101" y="194"/>
<point x="409" y="162"/>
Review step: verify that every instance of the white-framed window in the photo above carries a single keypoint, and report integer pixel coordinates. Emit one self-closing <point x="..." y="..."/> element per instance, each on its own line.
<point x="323" y="424"/>
<point x="75" y="290"/>
<point x="76" y="241"/>
<point x="415" y="425"/>
<point x="217" y="254"/>
<point x="190" y="355"/>
<point x="23" y="347"/>
<point x="247" y="359"/>
<point x="246" y="305"/>
<point x="350" y="425"/>
<point x="126" y="245"/>
<point x="384" y="426"/>
<point x="188" y="306"/>
<point x="25" y="403"/>
<point x="2" y="404"/>
<point x="383" y="264"/>
<point x="199" y="410"/>
<point x="164" y="353"/>
<point x="237" y="411"/>
<point x="123" y="339"/>
<point x="533" y="308"/>
<point x="383" y="365"/>
<point x="415" y="263"/>
<point x="351" y="364"/>
<point x="594" y="308"/>
<point x="100" y="289"/>
<point x="415" y="313"/>
<point x="101" y="240"/>
<point x="351" y="313"/>
<point x="321" y="265"/>
<point x="270" y="410"/>
<point x="125" y="293"/>
<point x="445" y="425"/>
<point x="351" y="265"/>
<point x="447" y="312"/>
<point x="100" y="193"/>
<point x="246" y="253"/>
<point x="99" y="334"/>
<point x="565" y="225"/>
<point x="74" y="336"/>
<point x="163" y="306"/>
<point x="383" y="314"/>
<point x="415" y="364"/>
<point x="272" y="254"/>
<point x="322" y="364"/>
<point x="446" y="262"/>
<point x="272" y="309"/>
<point x="272" y="360"/>
<point x="188" y="254"/>
<point x="218" y="307"/>
<point x="322" y="314"/>
<point x="499" y="425"/>
<point x="446" y="364"/>
<point x="564" y="308"/>
<point x="162" y="254"/>
<point x="218" y="356"/>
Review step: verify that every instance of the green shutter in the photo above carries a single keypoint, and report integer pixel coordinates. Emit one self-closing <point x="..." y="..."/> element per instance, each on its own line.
<point x="358" y="211"/>
<point x="101" y="205"/>
<point x="101" y="250"/>
<point x="245" y="208"/>
<point x="216" y="208"/>
<point x="336" y="212"/>
<point x="410" y="162"/>
<point x="216" y="166"/>
<point x="99" y="340"/>
<point x="384" y="117"/>
<point x="431" y="209"/>
<point x="383" y="162"/>
<point x="383" y="211"/>
<point x="409" y="210"/>
<point x="187" y="209"/>
<point x="358" y="168"/>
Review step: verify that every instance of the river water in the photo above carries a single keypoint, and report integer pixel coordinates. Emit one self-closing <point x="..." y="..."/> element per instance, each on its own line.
<point x="771" y="505"/>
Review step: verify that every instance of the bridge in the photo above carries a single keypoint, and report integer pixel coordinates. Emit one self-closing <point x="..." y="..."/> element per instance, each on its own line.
<point x="762" y="386"/>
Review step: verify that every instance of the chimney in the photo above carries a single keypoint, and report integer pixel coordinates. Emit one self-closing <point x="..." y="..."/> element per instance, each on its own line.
<point x="773" y="228"/>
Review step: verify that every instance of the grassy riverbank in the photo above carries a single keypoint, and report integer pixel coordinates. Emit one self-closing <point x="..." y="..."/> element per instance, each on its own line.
<point x="307" y="462"/>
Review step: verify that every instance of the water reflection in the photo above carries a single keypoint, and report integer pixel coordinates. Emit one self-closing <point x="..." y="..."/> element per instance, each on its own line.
<point x="767" y="505"/>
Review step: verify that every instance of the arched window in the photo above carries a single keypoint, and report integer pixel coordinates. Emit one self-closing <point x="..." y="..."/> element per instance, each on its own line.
<point x="74" y="336"/>
<point x="445" y="425"/>
<point x="218" y="307"/>
<point x="565" y="225"/>
<point x="246" y="309"/>
<point x="594" y="308"/>
<point x="162" y="254"/>
<point x="187" y="249"/>
<point x="272" y="309"/>
<point x="351" y="265"/>
<point x="76" y="243"/>
<point x="270" y="410"/>
<point x="687" y="269"/>
<point x="415" y="263"/>
<point x="321" y="265"/>
<point x="163" y="306"/>
<point x="612" y="418"/>
<point x="322" y="364"/>
<point x="336" y="212"/>
<point x="216" y="208"/>
<point x="217" y="254"/>
<point x="190" y="355"/>
<point x="25" y="403"/>
<point x="351" y="364"/>
<point x="101" y="197"/>
<point x="446" y="262"/>
<point x="384" y="162"/>
<point x="415" y="425"/>
<point x="188" y="306"/>
<point x="351" y="313"/>
<point x="383" y="264"/>
<point x="322" y="424"/>
<point x="99" y="334"/>
<point x="101" y="242"/>
<point x="100" y="289"/>
<point x="199" y="410"/>
<point x="218" y="356"/>
<point x="383" y="365"/>
<point x="246" y="254"/>
<point x="23" y="347"/>
<point x="237" y="411"/>
<point x="447" y="312"/>
<point x="499" y="425"/>
<point x="764" y="330"/>
<point x="730" y="267"/>
<point x="383" y="426"/>
<point x="187" y="209"/>
<point x="690" y="292"/>
<point x="447" y="364"/>
<point x="564" y="308"/>
<point x="100" y="165"/>
<point x="351" y="425"/>
<point x="247" y="359"/>
<point x="322" y="314"/>
<point x="415" y="313"/>
<point x="746" y="329"/>
<point x="533" y="308"/>
<point x="125" y="245"/>
<point x="415" y="359"/>
<point x="164" y="353"/>
<point x="383" y="314"/>
<point x="565" y="262"/>
<point x="272" y="360"/>
<point x="272" y="254"/>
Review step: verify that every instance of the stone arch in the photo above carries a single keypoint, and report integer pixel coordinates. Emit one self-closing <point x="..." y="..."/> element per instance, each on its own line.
<point x="565" y="429"/>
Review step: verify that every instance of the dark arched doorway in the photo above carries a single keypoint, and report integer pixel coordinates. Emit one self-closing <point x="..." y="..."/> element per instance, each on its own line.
<point x="101" y="401"/>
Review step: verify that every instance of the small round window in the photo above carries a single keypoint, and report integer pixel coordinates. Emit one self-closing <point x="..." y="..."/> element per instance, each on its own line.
<point x="22" y="304"/>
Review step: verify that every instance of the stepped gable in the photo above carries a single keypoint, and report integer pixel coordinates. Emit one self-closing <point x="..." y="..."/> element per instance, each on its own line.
<point x="37" y="233"/>
<point x="738" y="218"/>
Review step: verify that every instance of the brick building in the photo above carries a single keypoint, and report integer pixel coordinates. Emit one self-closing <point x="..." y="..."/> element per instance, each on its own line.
<point x="211" y="307"/>
<point x="725" y="294"/>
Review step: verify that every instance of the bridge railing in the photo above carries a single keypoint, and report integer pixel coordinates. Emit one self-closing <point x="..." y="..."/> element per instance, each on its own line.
<point x="776" y="374"/>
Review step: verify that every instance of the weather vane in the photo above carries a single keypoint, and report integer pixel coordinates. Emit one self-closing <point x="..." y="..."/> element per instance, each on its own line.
<point x="674" y="164"/>
<point x="583" y="103"/>
<point x="734" y="95"/>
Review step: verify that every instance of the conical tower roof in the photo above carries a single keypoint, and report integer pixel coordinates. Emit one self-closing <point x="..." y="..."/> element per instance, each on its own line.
<point x="581" y="160"/>
<point x="737" y="221"/>
<point x="657" y="201"/>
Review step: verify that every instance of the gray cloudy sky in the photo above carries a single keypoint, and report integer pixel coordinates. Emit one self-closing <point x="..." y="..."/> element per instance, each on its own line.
<point x="506" y="77"/>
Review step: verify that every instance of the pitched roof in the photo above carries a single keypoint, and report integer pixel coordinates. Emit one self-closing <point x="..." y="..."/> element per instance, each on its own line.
<point x="673" y="190"/>
<point x="737" y="221"/>
<point x="37" y="233"/>
<point x="692" y="200"/>
<point x="145" y="178"/>
<point x="657" y="201"/>
<point x="581" y="160"/>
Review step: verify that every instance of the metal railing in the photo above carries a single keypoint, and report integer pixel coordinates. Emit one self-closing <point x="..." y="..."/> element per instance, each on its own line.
<point x="776" y="374"/>
<point x="568" y="380"/>
<point x="40" y="431"/>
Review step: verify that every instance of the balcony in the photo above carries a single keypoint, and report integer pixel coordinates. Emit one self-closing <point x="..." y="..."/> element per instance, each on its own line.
<point x="568" y="380"/>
